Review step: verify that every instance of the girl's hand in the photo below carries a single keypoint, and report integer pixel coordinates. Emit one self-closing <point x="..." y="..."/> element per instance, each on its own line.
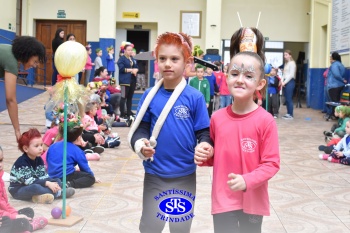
<point x="236" y="182"/>
<point x="97" y="180"/>
<point x="53" y="186"/>
<point x="203" y="152"/>
<point x="339" y="154"/>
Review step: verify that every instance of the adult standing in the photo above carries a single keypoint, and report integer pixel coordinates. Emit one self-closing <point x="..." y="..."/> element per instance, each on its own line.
<point x="57" y="41"/>
<point x="127" y="80"/>
<point x="25" y="50"/>
<point x="335" y="80"/>
<point x="288" y="83"/>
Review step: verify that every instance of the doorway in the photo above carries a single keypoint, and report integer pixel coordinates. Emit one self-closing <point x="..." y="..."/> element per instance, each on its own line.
<point x="45" y="32"/>
<point x="140" y="39"/>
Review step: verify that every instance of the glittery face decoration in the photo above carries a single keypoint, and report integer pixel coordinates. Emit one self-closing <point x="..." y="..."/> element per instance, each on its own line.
<point x="248" y="73"/>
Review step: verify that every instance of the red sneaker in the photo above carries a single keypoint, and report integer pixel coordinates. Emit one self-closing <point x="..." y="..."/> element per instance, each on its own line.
<point x="333" y="160"/>
<point x="39" y="223"/>
<point x="323" y="156"/>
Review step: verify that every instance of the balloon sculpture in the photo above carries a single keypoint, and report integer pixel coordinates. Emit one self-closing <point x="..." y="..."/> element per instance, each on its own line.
<point x="70" y="59"/>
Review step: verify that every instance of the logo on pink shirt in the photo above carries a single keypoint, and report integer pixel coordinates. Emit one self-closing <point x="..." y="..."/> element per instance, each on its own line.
<point x="248" y="145"/>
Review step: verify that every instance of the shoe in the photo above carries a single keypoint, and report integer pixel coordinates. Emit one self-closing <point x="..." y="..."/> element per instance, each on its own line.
<point x="43" y="199"/>
<point x="113" y="143"/>
<point x="274" y="116"/>
<point x="92" y="156"/>
<point x="321" y="147"/>
<point x="129" y="121"/>
<point x="323" y="156"/>
<point x="98" y="149"/>
<point x="333" y="160"/>
<point x="287" y="117"/>
<point x="327" y="133"/>
<point x="68" y="184"/>
<point x="87" y="151"/>
<point x="70" y="192"/>
<point x="38" y="223"/>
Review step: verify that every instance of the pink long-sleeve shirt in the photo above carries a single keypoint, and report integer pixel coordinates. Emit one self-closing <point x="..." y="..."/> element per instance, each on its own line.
<point x="246" y="145"/>
<point x="5" y="208"/>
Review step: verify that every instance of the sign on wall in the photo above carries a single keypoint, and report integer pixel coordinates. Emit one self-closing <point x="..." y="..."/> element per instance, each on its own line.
<point x="61" y="14"/>
<point x="340" y="36"/>
<point x="133" y="15"/>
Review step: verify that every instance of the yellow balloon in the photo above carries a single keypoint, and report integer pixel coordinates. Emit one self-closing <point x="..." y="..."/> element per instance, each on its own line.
<point x="70" y="58"/>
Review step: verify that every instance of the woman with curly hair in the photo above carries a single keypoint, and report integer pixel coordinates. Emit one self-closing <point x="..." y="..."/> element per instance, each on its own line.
<point x="25" y="50"/>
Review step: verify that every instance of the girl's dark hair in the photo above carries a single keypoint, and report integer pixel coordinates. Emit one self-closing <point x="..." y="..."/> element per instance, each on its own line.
<point x="69" y="35"/>
<point x="99" y="70"/>
<point x="72" y="132"/>
<point x="336" y="56"/>
<point x="26" y="137"/>
<point x="57" y="34"/>
<point x="236" y="40"/>
<point x="25" y="47"/>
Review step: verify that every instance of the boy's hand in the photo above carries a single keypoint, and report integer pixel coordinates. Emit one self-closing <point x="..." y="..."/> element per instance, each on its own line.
<point x="339" y="154"/>
<point x="236" y="182"/>
<point x="203" y="152"/>
<point x="147" y="150"/>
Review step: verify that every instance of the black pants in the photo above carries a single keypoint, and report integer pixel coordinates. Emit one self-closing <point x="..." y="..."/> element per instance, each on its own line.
<point x="153" y="218"/>
<point x="127" y="94"/>
<point x="81" y="179"/>
<point x="211" y="103"/>
<point x="237" y="222"/>
<point x="17" y="225"/>
<point x="273" y="104"/>
<point x="334" y="95"/>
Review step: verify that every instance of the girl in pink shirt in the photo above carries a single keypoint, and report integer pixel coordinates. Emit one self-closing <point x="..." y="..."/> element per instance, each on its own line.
<point x="245" y="161"/>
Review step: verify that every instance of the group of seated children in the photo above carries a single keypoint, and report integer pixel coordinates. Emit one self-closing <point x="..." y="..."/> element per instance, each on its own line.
<point x="30" y="180"/>
<point x="337" y="149"/>
<point x="110" y="95"/>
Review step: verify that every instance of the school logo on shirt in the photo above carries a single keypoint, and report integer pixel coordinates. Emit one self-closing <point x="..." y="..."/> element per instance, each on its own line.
<point x="182" y="111"/>
<point x="248" y="145"/>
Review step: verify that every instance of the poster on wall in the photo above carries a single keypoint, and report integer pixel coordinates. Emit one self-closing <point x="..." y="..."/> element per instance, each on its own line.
<point x="340" y="36"/>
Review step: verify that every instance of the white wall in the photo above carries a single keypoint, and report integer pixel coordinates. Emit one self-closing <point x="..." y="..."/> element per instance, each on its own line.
<point x="280" y="20"/>
<point x="75" y="10"/>
<point x="165" y="13"/>
<point x="8" y="15"/>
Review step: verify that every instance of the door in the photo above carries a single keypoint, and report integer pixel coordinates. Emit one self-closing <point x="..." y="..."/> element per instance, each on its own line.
<point x="45" y="32"/>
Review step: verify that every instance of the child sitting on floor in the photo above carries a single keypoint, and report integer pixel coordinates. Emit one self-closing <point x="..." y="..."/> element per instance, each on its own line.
<point x="28" y="178"/>
<point x="12" y="220"/>
<point x="75" y="156"/>
<point x="338" y="129"/>
<point x="91" y="129"/>
<point x="341" y="152"/>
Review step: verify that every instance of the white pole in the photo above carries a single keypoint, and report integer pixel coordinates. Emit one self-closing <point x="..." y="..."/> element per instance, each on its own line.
<point x="257" y="24"/>
<point x="239" y="19"/>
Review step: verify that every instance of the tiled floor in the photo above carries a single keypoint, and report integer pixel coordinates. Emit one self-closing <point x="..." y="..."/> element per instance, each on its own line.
<point x="307" y="195"/>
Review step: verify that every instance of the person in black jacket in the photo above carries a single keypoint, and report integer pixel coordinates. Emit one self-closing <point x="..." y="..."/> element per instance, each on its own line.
<point x="128" y="69"/>
<point x="57" y="41"/>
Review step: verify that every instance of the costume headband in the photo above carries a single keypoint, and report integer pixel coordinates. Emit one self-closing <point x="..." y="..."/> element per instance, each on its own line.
<point x="248" y="41"/>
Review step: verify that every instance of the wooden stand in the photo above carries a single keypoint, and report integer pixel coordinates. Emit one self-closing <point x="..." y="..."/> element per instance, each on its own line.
<point x="67" y="222"/>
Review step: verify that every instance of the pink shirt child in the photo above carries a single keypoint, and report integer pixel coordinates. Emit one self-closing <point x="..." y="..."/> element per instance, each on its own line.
<point x="48" y="139"/>
<point x="89" y="64"/>
<point x="90" y="120"/>
<point x="255" y="156"/>
<point x="5" y="208"/>
<point x="221" y="81"/>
